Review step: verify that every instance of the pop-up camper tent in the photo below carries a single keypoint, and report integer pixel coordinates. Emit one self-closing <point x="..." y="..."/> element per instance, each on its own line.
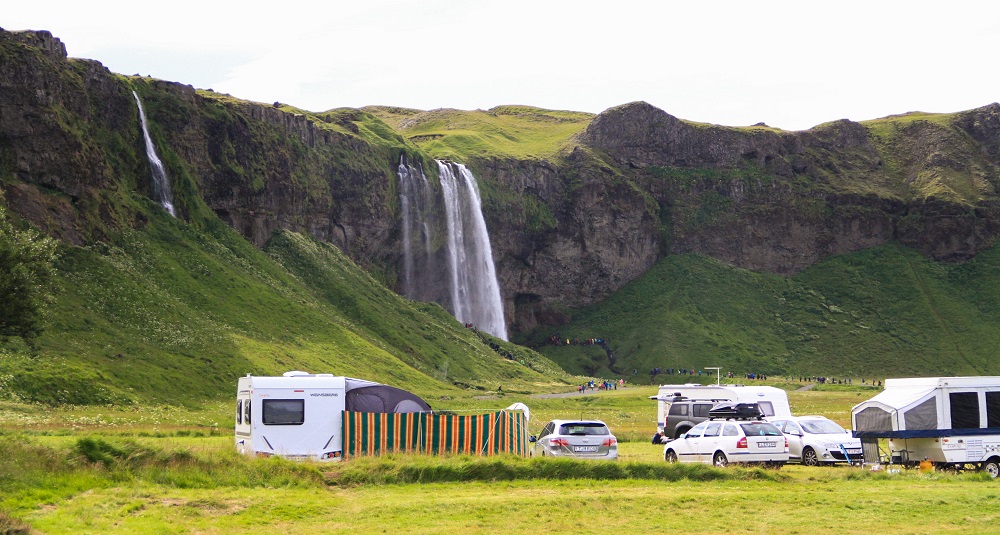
<point x="946" y="420"/>
<point x="324" y="417"/>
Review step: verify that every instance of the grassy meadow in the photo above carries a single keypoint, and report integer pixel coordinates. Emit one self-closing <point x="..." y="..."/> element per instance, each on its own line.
<point x="882" y="312"/>
<point x="147" y="470"/>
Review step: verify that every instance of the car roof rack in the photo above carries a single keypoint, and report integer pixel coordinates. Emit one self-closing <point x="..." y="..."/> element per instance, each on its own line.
<point x="736" y="411"/>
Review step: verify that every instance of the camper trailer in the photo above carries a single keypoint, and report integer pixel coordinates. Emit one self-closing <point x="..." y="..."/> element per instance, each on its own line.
<point x="949" y="421"/>
<point x="680" y="407"/>
<point x="300" y="415"/>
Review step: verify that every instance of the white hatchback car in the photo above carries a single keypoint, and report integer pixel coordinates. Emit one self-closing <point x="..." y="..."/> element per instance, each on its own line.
<point x="814" y="440"/>
<point x="721" y="442"/>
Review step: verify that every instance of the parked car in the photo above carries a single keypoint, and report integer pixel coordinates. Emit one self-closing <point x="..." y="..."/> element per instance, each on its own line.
<point x="814" y="440"/>
<point x="682" y="414"/>
<point x="724" y="441"/>
<point x="584" y="439"/>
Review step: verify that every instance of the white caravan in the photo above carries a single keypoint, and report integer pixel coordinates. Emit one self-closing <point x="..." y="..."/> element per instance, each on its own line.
<point x="949" y="421"/>
<point x="300" y="415"/>
<point x="772" y="401"/>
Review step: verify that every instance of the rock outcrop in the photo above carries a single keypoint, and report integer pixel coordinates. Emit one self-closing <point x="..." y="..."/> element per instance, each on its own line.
<point x="780" y="201"/>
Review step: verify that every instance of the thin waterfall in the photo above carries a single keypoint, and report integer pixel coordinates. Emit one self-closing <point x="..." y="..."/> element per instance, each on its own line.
<point x="448" y="259"/>
<point x="161" y="184"/>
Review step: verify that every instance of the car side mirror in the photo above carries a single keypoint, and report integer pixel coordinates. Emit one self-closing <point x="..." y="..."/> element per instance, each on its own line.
<point x="532" y="438"/>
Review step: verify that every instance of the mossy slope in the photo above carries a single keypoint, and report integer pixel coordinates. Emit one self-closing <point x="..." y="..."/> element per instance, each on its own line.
<point x="882" y="312"/>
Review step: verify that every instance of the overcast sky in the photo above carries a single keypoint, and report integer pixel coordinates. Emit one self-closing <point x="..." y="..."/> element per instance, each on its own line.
<point x="790" y="64"/>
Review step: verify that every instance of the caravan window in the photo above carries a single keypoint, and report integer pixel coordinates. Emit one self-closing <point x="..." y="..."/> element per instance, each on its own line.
<point x="964" y="410"/>
<point x="246" y="412"/>
<point x="284" y="411"/>
<point x="239" y="411"/>
<point x="766" y="407"/>
<point x="993" y="409"/>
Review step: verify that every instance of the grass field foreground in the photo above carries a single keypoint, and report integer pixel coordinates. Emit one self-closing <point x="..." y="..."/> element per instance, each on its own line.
<point x="74" y="471"/>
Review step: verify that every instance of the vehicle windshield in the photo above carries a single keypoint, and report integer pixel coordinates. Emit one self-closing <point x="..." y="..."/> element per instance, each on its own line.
<point x="822" y="427"/>
<point x="762" y="429"/>
<point x="583" y="428"/>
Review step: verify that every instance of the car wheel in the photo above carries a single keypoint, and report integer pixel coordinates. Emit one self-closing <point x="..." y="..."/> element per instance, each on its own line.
<point x="992" y="467"/>
<point x="670" y="456"/>
<point x="720" y="460"/>
<point x="809" y="457"/>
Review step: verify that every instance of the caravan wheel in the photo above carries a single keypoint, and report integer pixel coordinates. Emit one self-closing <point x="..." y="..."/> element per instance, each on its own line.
<point x="992" y="467"/>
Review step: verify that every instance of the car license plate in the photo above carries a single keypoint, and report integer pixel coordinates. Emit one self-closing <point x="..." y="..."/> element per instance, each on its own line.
<point x="767" y="444"/>
<point x="853" y="451"/>
<point x="584" y="448"/>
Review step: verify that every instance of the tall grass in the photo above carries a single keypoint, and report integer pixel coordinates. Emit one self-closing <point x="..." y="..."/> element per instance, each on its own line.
<point x="32" y="473"/>
<point x="404" y="469"/>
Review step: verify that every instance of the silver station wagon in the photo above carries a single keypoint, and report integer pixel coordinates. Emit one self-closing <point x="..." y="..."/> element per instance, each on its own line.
<point x="584" y="439"/>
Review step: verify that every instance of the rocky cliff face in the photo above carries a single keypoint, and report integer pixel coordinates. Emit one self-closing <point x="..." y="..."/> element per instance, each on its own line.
<point x="71" y="143"/>
<point x="640" y="183"/>
<point x="573" y="237"/>
<point x="780" y="201"/>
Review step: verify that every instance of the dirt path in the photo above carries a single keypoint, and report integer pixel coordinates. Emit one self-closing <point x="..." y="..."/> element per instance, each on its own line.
<point x="565" y="394"/>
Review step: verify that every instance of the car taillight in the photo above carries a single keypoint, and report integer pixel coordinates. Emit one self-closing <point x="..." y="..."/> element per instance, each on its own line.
<point x="559" y="442"/>
<point x="786" y="443"/>
<point x="742" y="443"/>
<point x="610" y="442"/>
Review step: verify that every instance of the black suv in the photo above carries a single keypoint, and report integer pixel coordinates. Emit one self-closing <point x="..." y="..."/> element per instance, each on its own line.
<point x="684" y="413"/>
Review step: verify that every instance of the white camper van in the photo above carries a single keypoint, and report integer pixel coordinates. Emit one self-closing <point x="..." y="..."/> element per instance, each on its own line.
<point x="950" y="421"/>
<point x="687" y="405"/>
<point x="300" y="415"/>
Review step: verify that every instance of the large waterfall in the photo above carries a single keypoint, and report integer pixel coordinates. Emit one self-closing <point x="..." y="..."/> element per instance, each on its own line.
<point x="449" y="260"/>
<point x="161" y="184"/>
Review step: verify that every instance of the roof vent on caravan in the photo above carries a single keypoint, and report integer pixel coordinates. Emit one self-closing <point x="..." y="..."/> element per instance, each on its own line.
<point x="296" y="373"/>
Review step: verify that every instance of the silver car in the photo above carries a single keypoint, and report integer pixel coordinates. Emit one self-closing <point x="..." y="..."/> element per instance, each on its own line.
<point x="583" y="439"/>
<point x="814" y="440"/>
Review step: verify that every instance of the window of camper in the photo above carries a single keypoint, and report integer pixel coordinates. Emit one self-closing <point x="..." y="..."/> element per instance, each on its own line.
<point x="766" y="407"/>
<point x="873" y="419"/>
<point x="993" y="409"/>
<point x="246" y="412"/>
<point x="964" y="410"/>
<point x="923" y="416"/>
<point x="239" y="411"/>
<point x="284" y="411"/>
